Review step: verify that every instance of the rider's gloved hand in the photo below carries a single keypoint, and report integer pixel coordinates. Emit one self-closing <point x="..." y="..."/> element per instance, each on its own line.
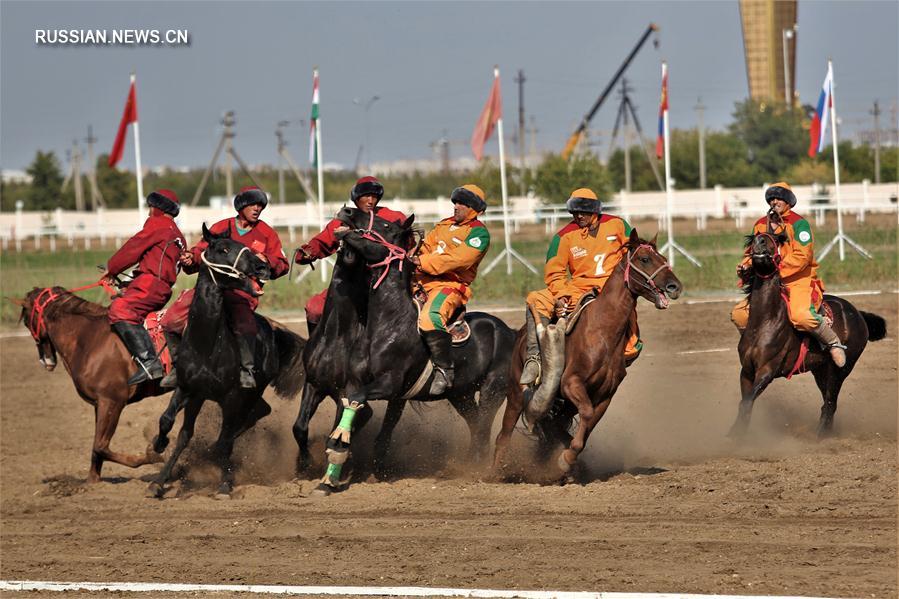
<point x="302" y="256"/>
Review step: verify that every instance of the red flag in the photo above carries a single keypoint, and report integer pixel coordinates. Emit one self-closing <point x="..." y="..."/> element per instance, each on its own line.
<point x="128" y="117"/>
<point x="493" y="111"/>
<point x="663" y="108"/>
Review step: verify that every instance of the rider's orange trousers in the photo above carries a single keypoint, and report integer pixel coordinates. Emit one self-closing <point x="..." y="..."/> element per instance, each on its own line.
<point x="804" y="299"/>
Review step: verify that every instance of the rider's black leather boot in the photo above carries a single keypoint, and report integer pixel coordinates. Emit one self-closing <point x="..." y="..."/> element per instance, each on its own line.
<point x="247" y="345"/>
<point x="170" y="381"/>
<point x="137" y="341"/>
<point x="440" y="345"/>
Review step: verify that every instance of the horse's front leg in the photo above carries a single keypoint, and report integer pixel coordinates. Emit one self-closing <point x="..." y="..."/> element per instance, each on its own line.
<point x="575" y="391"/>
<point x="312" y="398"/>
<point x="191" y="411"/>
<point x="107" y="413"/>
<point x="167" y="421"/>
<point x="236" y="420"/>
<point x="514" y="408"/>
<point x="751" y="386"/>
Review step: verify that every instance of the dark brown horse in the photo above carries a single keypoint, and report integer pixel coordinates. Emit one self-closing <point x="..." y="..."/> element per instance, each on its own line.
<point x="96" y="359"/>
<point x="594" y="363"/>
<point x="770" y="347"/>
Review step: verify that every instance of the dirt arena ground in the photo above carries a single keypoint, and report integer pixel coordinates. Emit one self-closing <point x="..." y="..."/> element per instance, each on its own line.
<point x="667" y="503"/>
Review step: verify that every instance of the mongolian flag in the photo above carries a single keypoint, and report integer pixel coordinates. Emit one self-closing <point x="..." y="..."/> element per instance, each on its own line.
<point x="818" y="131"/>
<point x="493" y="111"/>
<point x="128" y="117"/>
<point x="663" y="108"/>
<point x="313" y="121"/>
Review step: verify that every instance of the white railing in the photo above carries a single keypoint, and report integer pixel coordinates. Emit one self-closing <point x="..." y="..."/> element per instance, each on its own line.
<point x="301" y="221"/>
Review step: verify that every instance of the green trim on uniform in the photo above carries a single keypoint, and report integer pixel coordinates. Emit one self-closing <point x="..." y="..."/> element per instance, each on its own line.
<point x="627" y="227"/>
<point x="434" y="311"/>
<point x="553" y="247"/>
<point x="803" y="231"/>
<point x="478" y="238"/>
<point x="818" y="318"/>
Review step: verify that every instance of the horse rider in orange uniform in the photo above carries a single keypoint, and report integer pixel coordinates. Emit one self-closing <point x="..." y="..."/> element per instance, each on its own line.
<point x="366" y="194"/>
<point x="247" y="228"/>
<point x="155" y="250"/>
<point x="588" y="248"/>
<point x="798" y="273"/>
<point x="447" y="264"/>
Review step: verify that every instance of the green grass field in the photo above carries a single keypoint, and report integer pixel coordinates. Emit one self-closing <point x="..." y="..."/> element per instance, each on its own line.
<point x="719" y="248"/>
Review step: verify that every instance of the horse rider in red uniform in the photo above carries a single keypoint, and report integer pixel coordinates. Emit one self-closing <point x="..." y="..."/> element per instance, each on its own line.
<point x="798" y="273"/>
<point x="155" y="249"/>
<point x="246" y="228"/>
<point x="366" y="194"/>
<point x="581" y="257"/>
<point x="447" y="264"/>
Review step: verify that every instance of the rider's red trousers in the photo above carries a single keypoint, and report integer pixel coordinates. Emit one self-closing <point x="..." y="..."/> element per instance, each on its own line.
<point x="143" y="295"/>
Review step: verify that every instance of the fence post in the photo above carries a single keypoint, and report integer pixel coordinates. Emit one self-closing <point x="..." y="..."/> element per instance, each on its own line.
<point x="17" y="232"/>
<point x="101" y="224"/>
<point x="861" y="214"/>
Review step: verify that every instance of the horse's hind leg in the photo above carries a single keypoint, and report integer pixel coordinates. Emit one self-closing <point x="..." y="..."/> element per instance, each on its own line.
<point x="514" y="407"/>
<point x="107" y="413"/>
<point x="167" y="421"/>
<point x="382" y="441"/>
<point x="829" y="381"/>
<point x="191" y="411"/>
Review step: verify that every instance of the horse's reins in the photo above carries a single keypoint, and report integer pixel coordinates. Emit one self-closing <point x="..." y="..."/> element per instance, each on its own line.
<point x="228" y="270"/>
<point x="775" y="258"/>
<point x="394" y="252"/>
<point x="649" y="282"/>
<point x="47" y="295"/>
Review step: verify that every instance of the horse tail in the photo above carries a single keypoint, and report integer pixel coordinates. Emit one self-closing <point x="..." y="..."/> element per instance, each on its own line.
<point x="291" y="375"/>
<point x="877" y="326"/>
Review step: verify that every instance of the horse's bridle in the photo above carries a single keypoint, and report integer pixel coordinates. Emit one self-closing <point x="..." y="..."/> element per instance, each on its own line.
<point x="228" y="270"/>
<point x="394" y="252"/>
<point x="774" y="258"/>
<point x="649" y="280"/>
<point x="40" y="304"/>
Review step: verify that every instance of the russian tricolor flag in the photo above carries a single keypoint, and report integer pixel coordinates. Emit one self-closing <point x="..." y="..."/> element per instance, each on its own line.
<point x="818" y="129"/>
<point x="663" y="108"/>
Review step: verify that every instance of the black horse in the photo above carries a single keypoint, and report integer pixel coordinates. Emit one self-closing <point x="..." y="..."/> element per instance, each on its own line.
<point x="209" y="358"/>
<point x="389" y="359"/>
<point x="770" y="347"/>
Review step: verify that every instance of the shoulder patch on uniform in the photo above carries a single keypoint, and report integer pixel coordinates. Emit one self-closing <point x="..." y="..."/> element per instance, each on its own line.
<point x="572" y="226"/>
<point x="803" y="231"/>
<point x="554" y="246"/>
<point x="627" y="228"/>
<point x="479" y="238"/>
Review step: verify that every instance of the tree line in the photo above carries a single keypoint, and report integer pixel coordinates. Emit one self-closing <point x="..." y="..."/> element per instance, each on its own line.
<point x="763" y="143"/>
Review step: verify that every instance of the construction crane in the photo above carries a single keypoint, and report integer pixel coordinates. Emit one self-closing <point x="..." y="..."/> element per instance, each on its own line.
<point x="576" y="136"/>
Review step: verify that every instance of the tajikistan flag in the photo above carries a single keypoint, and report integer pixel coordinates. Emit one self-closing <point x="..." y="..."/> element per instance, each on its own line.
<point x="313" y="121"/>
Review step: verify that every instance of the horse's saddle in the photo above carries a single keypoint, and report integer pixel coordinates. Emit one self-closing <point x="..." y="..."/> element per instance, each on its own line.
<point x="153" y="324"/>
<point x="456" y="325"/>
<point x="573" y="316"/>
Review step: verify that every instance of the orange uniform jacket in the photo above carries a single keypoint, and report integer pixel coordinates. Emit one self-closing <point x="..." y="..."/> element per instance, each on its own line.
<point x="589" y="258"/>
<point x="798" y="253"/>
<point x="451" y="253"/>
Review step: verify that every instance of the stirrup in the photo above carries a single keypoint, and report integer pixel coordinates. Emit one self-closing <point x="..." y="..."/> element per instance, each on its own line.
<point x="170" y="381"/>
<point x="247" y="380"/>
<point x="441" y="383"/>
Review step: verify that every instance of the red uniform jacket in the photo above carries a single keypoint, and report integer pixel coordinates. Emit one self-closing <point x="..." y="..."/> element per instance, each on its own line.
<point x="261" y="239"/>
<point x="325" y="243"/>
<point x="154" y="249"/>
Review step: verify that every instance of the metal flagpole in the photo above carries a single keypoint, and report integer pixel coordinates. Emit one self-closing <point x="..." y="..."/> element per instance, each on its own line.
<point x="508" y="251"/>
<point x="321" y="175"/>
<point x="840" y="236"/>
<point x="141" y="208"/>
<point x="671" y="245"/>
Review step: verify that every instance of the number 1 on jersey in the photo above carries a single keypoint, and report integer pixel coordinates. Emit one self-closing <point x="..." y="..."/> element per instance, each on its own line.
<point x="599" y="258"/>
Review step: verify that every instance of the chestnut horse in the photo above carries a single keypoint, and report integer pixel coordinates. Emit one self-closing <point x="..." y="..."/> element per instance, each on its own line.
<point x="96" y="359"/>
<point x="770" y="347"/>
<point x="594" y="354"/>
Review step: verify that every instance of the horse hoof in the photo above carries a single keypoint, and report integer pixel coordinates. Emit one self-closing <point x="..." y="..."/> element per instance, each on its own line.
<point x="322" y="490"/>
<point x="224" y="491"/>
<point x="155" y="491"/>
<point x="160" y="443"/>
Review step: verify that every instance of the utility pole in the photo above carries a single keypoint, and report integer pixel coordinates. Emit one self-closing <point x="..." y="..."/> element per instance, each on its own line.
<point x="279" y="135"/>
<point x="228" y="121"/>
<point x="520" y="79"/>
<point x="876" y="113"/>
<point x="700" y="111"/>
<point x="74" y="175"/>
<point x="96" y="196"/>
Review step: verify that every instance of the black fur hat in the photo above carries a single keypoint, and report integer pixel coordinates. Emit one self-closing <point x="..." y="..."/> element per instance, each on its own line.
<point x="781" y="191"/>
<point x="249" y="196"/>
<point x="471" y="196"/>
<point x="367" y="186"/>
<point x="165" y="200"/>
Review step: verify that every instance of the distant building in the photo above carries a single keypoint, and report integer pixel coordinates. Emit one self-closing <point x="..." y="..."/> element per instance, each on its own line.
<point x="15" y="176"/>
<point x="767" y="24"/>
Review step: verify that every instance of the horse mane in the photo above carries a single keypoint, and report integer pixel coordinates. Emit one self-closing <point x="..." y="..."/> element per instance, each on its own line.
<point x="70" y="303"/>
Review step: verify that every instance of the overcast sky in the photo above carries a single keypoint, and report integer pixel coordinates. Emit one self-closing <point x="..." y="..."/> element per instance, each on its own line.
<point x="430" y="63"/>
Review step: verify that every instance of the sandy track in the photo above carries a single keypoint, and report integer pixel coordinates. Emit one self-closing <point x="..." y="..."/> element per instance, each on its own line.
<point x="667" y="504"/>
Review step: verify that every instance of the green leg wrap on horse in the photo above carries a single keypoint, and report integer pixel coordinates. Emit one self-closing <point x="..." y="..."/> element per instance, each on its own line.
<point x="336" y="459"/>
<point x="343" y="430"/>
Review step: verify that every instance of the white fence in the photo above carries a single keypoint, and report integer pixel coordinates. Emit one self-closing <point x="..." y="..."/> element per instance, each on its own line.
<point x="68" y="228"/>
